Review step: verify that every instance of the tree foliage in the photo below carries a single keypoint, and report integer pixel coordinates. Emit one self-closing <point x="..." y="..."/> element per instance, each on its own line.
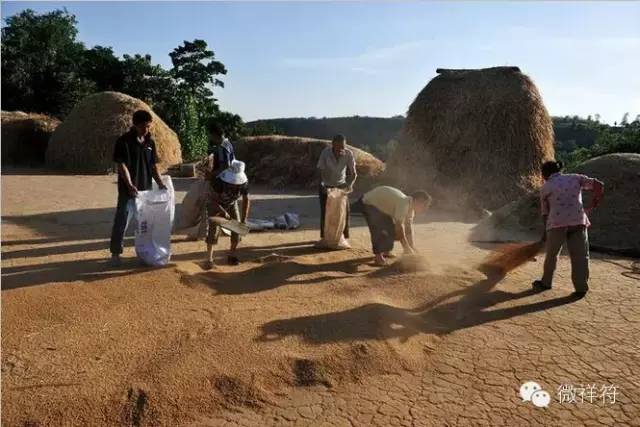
<point x="195" y="68"/>
<point x="42" y="63"/>
<point x="103" y="68"/>
<point x="231" y="123"/>
<point x="191" y="130"/>
<point x="45" y="69"/>
<point x="608" y="139"/>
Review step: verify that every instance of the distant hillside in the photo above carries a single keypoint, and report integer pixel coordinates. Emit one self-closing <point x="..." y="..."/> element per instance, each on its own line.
<point x="574" y="132"/>
<point x="373" y="134"/>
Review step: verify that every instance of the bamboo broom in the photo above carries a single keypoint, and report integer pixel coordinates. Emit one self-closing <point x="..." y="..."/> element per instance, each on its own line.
<point x="510" y="256"/>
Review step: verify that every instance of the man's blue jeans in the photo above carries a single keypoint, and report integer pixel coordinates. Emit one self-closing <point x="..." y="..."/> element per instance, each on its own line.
<point x="124" y="212"/>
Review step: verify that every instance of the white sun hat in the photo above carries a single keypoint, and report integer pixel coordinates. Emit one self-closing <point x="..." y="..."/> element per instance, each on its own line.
<point x="234" y="174"/>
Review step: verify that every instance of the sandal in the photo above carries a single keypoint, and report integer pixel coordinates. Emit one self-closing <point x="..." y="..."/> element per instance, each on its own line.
<point x="208" y="265"/>
<point x="232" y="260"/>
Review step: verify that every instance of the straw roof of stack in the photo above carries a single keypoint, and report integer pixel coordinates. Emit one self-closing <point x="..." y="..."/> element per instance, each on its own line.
<point x="475" y="138"/>
<point x="615" y="224"/>
<point x="25" y="136"/>
<point x="283" y="160"/>
<point x="84" y="142"/>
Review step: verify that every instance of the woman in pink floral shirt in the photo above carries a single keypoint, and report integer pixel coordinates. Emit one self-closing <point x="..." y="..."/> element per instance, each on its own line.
<point x="566" y="222"/>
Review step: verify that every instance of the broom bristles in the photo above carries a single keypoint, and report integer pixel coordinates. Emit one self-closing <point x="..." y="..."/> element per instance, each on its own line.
<point x="510" y="256"/>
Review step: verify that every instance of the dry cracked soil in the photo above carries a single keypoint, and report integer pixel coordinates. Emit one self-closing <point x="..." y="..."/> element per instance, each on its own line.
<point x="293" y="335"/>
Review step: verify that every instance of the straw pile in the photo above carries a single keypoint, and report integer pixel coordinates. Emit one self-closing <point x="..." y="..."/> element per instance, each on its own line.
<point x="84" y="142"/>
<point x="474" y="138"/>
<point x="290" y="161"/>
<point x="25" y="137"/>
<point x="615" y="224"/>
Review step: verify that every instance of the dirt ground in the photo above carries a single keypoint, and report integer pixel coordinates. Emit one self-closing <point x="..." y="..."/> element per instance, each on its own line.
<point x="295" y="336"/>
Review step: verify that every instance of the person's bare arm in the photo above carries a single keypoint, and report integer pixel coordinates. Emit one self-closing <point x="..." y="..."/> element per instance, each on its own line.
<point x="408" y="226"/>
<point x="400" y="232"/>
<point x="156" y="177"/>
<point x="215" y="199"/>
<point x="246" y="204"/>
<point x="126" y="176"/>
<point x="352" y="174"/>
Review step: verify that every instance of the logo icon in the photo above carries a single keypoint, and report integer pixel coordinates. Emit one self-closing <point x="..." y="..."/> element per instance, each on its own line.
<point x="541" y="399"/>
<point x="527" y="389"/>
<point x="532" y="392"/>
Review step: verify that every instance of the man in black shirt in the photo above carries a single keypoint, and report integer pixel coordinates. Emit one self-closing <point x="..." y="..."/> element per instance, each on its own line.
<point x="136" y="159"/>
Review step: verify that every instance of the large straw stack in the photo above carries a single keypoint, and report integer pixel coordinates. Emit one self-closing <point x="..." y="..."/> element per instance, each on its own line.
<point x="84" y="142"/>
<point x="475" y="138"/>
<point x="25" y="137"/>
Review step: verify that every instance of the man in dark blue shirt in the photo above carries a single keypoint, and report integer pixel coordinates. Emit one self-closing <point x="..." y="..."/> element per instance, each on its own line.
<point x="220" y="149"/>
<point x="136" y="159"/>
<point x="220" y="155"/>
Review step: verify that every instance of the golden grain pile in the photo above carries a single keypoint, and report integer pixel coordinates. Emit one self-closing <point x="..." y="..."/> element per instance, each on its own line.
<point x="615" y="224"/>
<point x="475" y="138"/>
<point x="282" y="160"/>
<point x="84" y="141"/>
<point x="25" y="137"/>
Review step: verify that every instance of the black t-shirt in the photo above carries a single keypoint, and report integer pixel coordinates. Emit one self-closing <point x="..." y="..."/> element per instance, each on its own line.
<point x="138" y="157"/>
<point x="227" y="194"/>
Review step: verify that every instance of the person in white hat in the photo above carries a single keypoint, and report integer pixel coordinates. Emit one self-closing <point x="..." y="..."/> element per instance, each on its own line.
<point x="227" y="188"/>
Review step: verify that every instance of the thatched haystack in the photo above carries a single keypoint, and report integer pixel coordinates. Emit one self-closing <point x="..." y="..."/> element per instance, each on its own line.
<point x="474" y="138"/>
<point x="615" y="224"/>
<point x="290" y="161"/>
<point x="84" y="142"/>
<point x="25" y="137"/>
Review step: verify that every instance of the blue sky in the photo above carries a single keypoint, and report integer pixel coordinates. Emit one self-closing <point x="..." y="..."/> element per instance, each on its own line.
<point x="336" y="58"/>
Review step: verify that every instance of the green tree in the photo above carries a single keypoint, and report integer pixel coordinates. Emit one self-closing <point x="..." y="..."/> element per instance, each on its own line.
<point x="154" y="85"/>
<point x="146" y="81"/>
<point x="195" y="69"/>
<point x="194" y="73"/>
<point x="262" y="128"/>
<point x="41" y="63"/>
<point x="231" y="123"/>
<point x="44" y="69"/>
<point x="190" y="129"/>
<point x="625" y="119"/>
<point x="103" y="68"/>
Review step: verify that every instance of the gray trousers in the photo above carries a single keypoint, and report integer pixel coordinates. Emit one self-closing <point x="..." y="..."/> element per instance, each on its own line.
<point x="381" y="228"/>
<point x="577" y="242"/>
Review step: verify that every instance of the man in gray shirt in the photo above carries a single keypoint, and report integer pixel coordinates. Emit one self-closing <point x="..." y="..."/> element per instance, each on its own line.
<point x="337" y="166"/>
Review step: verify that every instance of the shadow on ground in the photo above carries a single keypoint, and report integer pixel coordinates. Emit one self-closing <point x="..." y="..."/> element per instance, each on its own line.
<point x="276" y="266"/>
<point x="86" y="270"/>
<point x="88" y="230"/>
<point x="445" y="314"/>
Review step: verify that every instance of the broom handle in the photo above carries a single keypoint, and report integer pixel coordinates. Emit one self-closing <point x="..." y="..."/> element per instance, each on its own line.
<point x="224" y="211"/>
